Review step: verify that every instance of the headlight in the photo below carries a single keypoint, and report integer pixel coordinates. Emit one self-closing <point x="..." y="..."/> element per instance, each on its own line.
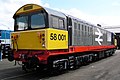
<point x="43" y="44"/>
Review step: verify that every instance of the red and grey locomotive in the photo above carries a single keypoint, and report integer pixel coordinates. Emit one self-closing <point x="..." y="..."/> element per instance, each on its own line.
<point x="45" y="38"/>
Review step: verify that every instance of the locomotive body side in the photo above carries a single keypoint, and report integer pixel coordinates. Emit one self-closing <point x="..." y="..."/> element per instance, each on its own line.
<point x="87" y="37"/>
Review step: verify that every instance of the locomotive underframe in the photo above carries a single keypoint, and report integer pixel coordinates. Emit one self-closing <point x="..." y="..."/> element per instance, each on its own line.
<point x="62" y="59"/>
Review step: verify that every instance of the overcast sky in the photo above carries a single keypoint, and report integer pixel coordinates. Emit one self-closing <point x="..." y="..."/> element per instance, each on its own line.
<point x="104" y="12"/>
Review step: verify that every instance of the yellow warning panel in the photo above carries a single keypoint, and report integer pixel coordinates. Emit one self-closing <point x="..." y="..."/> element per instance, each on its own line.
<point x="28" y="40"/>
<point x="42" y="39"/>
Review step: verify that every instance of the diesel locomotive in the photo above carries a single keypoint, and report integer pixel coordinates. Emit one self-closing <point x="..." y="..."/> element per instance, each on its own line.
<point x="47" y="39"/>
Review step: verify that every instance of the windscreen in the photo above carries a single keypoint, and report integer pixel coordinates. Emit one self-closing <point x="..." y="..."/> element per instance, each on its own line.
<point x="37" y="21"/>
<point x="22" y="23"/>
<point x="30" y="21"/>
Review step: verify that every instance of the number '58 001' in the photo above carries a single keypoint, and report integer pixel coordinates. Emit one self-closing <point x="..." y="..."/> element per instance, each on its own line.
<point x="54" y="36"/>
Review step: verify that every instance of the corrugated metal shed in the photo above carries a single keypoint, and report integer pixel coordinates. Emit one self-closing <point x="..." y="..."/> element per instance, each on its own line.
<point x="115" y="29"/>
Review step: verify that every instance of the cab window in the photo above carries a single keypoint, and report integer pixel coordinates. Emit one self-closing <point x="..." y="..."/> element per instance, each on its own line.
<point x="37" y="21"/>
<point x="57" y="22"/>
<point x="29" y="21"/>
<point x="22" y="23"/>
<point x="61" y="25"/>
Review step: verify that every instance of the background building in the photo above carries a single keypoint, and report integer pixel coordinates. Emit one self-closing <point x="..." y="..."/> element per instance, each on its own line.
<point x="4" y="42"/>
<point x="116" y="30"/>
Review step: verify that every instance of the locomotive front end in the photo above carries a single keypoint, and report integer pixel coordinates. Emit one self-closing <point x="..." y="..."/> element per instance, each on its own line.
<point x="34" y="38"/>
<point x="41" y="39"/>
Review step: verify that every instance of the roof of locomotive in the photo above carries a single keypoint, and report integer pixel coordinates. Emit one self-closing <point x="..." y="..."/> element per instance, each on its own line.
<point x="55" y="13"/>
<point x="52" y="12"/>
<point x="87" y="23"/>
<point x="33" y="7"/>
<point x="82" y="21"/>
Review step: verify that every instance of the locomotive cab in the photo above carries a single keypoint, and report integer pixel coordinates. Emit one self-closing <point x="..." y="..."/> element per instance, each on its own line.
<point x="37" y="19"/>
<point x="38" y="32"/>
<point x="41" y="26"/>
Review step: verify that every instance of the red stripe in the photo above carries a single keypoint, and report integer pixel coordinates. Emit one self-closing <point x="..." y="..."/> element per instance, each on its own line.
<point x="74" y="49"/>
<point x="91" y="48"/>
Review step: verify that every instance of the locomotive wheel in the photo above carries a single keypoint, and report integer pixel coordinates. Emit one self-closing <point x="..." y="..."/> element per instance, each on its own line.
<point x="30" y="65"/>
<point x="25" y="67"/>
<point x="10" y="56"/>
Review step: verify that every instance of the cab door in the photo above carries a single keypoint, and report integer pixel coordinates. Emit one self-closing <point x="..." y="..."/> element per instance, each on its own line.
<point x="69" y="28"/>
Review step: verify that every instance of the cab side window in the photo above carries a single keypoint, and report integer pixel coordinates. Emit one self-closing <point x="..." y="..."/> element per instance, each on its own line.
<point x="57" y="22"/>
<point x="61" y="24"/>
<point x="54" y="22"/>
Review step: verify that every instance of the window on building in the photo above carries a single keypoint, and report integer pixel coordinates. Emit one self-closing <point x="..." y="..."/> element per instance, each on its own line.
<point x="0" y="33"/>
